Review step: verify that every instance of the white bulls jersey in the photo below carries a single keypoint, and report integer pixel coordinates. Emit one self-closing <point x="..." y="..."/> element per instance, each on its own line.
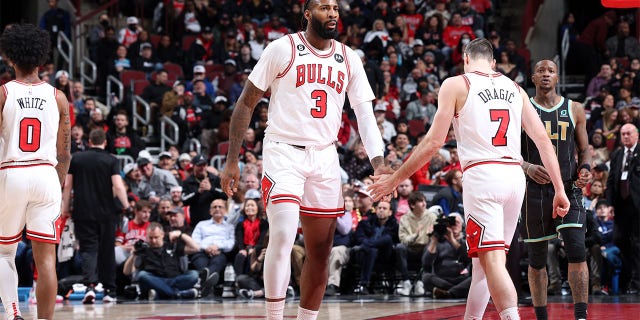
<point x="488" y="126"/>
<point x="308" y="88"/>
<point x="30" y="120"/>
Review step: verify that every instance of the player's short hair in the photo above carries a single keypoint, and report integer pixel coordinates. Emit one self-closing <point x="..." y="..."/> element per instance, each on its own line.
<point x="26" y="46"/>
<point x="480" y="48"/>
<point x="97" y="136"/>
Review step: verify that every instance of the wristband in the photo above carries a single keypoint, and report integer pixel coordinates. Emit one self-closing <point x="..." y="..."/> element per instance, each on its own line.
<point x="585" y="166"/>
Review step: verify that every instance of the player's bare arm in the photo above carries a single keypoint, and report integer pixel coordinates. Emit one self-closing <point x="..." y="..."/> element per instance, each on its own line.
<point x="63" y="144"/>
<point x="535" y="130"/>
<point x="582" y="144"/>
<point x="66" y="195"/>
<point x="239" y="122"/>
<point x="452" y="91"/>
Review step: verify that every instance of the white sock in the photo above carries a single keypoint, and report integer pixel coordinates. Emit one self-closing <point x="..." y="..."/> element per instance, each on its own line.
<point x="283" y="225"/>
<point x="478" y="293"/>
<point x="275" y="310"/>
<point x="510" y="314"/>
<point x="9" y="280"/>
<point x="306" y="314"/>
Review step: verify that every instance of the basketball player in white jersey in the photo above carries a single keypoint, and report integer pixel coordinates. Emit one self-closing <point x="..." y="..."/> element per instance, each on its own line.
<point x="488" y="112"/>
<point x="309" y="74"/>
<point x="35" y="146"/>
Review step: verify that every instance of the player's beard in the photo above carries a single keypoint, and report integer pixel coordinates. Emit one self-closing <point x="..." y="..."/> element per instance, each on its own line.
<point x="323" y="32"/>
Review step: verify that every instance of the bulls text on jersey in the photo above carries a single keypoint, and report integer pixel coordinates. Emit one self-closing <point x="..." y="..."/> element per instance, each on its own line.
<point x="316" y="73"/>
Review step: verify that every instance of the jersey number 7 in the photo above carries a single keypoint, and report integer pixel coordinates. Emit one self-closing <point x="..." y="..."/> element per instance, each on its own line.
<point x="30" y="134"/>
<point x="502" y="116"/>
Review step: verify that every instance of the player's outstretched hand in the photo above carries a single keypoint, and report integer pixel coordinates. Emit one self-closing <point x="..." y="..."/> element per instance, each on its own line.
<point x="383" y="187"/>
<point x="560" y="204"/>
<point x="230" y="178"/>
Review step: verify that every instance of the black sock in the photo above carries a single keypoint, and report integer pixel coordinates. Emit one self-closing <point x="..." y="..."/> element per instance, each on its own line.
<point x="541" y="312"/>
<point x="580" y="310"/>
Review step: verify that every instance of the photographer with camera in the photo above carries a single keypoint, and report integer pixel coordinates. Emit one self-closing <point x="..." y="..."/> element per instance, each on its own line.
<point x="160" y="264"/>
<point x="446" y="257"/>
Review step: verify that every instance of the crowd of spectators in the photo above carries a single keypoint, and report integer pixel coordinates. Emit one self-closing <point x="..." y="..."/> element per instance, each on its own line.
<point x="408" y="49"/>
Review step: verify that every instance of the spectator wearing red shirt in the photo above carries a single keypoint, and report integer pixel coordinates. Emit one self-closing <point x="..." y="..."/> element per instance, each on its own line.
<point x="471" y="18"/>
<point x="274" y="28"/>
<point x="130" y="231"/>
<point x="452" y="33"/>
<point x="413" y="19"/>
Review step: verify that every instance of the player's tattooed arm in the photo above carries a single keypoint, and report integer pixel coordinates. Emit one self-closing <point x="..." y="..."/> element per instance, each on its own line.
<point x="63" y="143"/>
<point x="241" y="117"/>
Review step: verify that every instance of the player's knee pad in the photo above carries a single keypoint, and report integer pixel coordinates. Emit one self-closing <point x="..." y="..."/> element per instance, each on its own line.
<point x="537" y="254"/>
<point x="283" y="226"/>
<point x="573" y="239"/>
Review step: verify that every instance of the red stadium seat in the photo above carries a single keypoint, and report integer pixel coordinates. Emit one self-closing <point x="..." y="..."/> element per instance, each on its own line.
<point x="126" y="76"/>
<point x="187" y="41"/>
<point x="139" y="85"/>
<point x="210" y="68"/>
<point x="174" y="69"/>
<point x="155" y="39"/>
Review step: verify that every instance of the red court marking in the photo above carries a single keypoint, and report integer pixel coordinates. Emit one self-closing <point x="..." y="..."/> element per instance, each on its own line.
<point x="609" y="311"/>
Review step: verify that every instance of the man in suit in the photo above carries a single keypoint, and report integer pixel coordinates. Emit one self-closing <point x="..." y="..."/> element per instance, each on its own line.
<point x="623" y="191"/>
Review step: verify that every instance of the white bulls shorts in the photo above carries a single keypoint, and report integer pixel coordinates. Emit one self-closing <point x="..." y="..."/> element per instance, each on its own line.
<point x="492" y="197"/>
<point x="31" y="195"/>
<point x="308" y="176"/>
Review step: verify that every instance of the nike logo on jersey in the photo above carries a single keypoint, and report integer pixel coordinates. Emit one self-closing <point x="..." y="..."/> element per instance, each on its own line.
<point x="303" y="53"/>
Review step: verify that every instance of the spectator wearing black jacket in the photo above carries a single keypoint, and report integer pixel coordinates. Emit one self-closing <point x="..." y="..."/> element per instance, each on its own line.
<point x="446" y="262"/>
<point x="121" y="139"/>
<point x="374" y="74"/>
<point x="161" y="265"/>
<point x="375" y="239"/>
<point x="200" y="189"/>
<point x="167" y="50"/>
<point x="146" y="62"/>
<point x="154" y="92"/>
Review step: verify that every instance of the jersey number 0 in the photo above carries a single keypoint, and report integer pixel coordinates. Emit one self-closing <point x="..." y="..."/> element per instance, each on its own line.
<point x="30" y="134"/>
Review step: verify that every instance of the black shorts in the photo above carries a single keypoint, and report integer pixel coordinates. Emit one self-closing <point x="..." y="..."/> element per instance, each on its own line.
<point x="538" y="223"/>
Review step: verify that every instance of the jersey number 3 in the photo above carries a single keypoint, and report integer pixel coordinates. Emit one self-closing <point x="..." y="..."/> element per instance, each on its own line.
<point x="320" y="110"/>
<point x="30" y="134"/>
<point x="502" y="116"/>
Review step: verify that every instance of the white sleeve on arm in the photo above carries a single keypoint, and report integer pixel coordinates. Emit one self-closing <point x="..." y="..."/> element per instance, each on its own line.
<point x="368" y="129"/>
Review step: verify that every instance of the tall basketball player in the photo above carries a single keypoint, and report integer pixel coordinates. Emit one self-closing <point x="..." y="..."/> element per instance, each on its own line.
<point x="488" y="111"/>
<point x="566" y="125"/>
<point x="309" y="74"/>
<point x="34" y="159"/>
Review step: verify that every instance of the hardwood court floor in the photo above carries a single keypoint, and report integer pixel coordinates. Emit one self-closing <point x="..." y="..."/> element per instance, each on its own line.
<point x="346" y="307"/>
